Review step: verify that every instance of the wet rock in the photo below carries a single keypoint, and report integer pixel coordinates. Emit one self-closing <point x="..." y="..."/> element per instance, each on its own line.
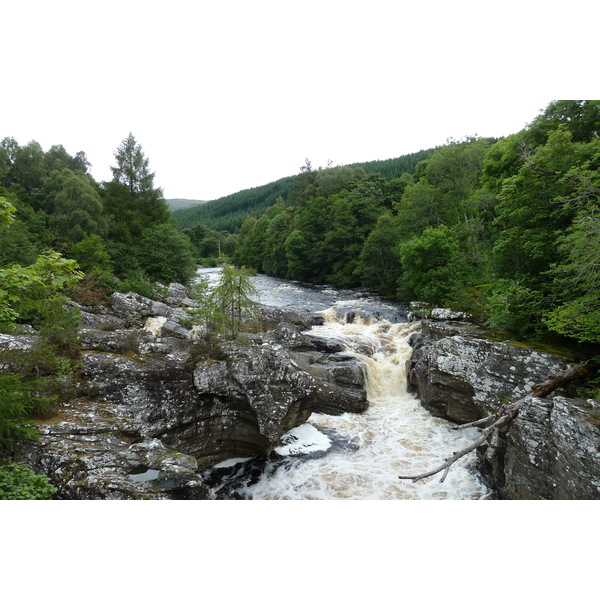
<point x="422" y="310"/>
<point x="90" y="452"/>
<point x="17" y="343"/>
<point x="303" y="319"/>
<point x="147" y="404"/>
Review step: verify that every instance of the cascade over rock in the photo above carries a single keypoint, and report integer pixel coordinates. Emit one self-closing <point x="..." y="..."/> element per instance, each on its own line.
<point x="550" y="451"/>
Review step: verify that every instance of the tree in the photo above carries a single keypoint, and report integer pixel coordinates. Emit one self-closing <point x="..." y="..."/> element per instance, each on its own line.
<point x="92" y="256"/>
<point x="166" y="254"/>
<point x="578" y="316"/>
<point x="234" y="298"/>
<point x="379" y="264"/>
<point x="132" y="168"/>
<point x="227" y="307"/>
<point x="431" y="266"/>
<point x="76" y="208"/>
<point x="20" y="286"/>
<point x="131" y="198"/>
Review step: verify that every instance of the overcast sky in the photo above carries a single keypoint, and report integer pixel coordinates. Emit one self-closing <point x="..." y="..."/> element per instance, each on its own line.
<point x="225" y="95"/>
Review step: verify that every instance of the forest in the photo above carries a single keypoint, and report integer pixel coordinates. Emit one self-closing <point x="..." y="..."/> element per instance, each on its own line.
<point x="120" y="232"/>
<point x="507" y="230"/>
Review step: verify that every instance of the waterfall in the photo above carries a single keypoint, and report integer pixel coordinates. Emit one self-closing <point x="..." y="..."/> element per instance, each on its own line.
<point x="360" y="456"/>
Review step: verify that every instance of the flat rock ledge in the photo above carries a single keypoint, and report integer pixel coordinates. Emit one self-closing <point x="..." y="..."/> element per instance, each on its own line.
<point x="550" y="451"/>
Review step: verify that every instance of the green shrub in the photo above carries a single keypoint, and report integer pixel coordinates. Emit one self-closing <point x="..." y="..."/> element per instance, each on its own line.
<point x="19" y="482"/>
<point x="17" y="405"/>
<point x="137" y="282"/>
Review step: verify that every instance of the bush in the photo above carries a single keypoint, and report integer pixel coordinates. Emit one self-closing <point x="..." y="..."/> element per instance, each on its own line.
<point x="166" y="255"/>
<point x="17" y="405"/>
<point x="516" y="309"/>
<point x="137" y="282"/>
<point x="19" y="482"/>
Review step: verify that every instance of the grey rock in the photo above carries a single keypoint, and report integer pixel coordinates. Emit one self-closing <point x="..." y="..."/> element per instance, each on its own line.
<point x="550" y="451"/>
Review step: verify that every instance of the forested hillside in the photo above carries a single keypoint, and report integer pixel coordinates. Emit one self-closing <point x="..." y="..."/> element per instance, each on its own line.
<point x="183" y="203"/>
<point x="228" y="213"/>
<point x="507" y="229"/>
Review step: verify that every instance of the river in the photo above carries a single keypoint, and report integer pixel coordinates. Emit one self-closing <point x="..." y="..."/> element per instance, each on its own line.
<point x="359" y="456"/>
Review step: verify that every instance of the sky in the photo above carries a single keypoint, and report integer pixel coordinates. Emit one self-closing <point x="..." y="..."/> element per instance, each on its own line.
<point x="228" y="95"/>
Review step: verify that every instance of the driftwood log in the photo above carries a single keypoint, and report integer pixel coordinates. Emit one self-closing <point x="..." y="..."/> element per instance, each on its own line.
<point x="492" y="425"/>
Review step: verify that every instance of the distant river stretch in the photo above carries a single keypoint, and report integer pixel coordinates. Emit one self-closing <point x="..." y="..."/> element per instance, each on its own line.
<point x="359" y="456"/>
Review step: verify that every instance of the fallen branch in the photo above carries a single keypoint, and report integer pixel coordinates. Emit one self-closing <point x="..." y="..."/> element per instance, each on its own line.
<point x="494" y="423"/>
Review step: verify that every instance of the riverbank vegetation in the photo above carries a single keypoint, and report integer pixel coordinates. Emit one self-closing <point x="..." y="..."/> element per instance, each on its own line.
<point x="506" y="229"/>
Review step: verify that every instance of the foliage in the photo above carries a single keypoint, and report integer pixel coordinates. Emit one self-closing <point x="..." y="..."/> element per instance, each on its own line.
<point x="132" y="202"/>
<point x="227" y="308"/>
<point x="74" y="206"/>
<point x="58" y="324"/>
<point x="516" y="309"/>
<point x="138" y="282"/>
<point x="6" y="212"/>
<point x="21" y="288"/>
<point x="19" y="482"/>
<point x="93" y="258"/>
<point x="166" y="255"/>
<point x="18" y="403"/>
<point x="431" y="269"/>
<point x="230" y="212"/>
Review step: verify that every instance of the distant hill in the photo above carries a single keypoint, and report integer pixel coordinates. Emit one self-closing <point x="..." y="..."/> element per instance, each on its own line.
<point x="229" y="212"/>
<point x="181" y="203"/>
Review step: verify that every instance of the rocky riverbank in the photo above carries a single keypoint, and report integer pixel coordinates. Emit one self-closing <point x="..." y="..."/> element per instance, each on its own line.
<point x="551" y="450"/>
<point x="153" y="409"/>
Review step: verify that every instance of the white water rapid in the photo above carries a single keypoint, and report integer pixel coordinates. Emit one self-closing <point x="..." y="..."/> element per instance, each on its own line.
<point x="394" y="436"/>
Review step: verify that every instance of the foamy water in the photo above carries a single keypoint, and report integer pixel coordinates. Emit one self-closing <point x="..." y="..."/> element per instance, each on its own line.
<point x="395" y="436"/>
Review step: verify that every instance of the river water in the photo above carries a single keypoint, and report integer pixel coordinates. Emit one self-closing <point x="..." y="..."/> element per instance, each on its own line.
<point x="359" y="456"/>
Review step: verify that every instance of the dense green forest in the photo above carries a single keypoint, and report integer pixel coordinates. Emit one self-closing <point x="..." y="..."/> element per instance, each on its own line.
<point x="121" y="232"/>
<point x="506" y="229"/>
<point x="228" y="213"/>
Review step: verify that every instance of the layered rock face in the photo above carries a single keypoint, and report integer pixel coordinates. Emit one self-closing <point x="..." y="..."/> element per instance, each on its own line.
<point x="550" y="451"/>
<point x="154" y="409"/>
